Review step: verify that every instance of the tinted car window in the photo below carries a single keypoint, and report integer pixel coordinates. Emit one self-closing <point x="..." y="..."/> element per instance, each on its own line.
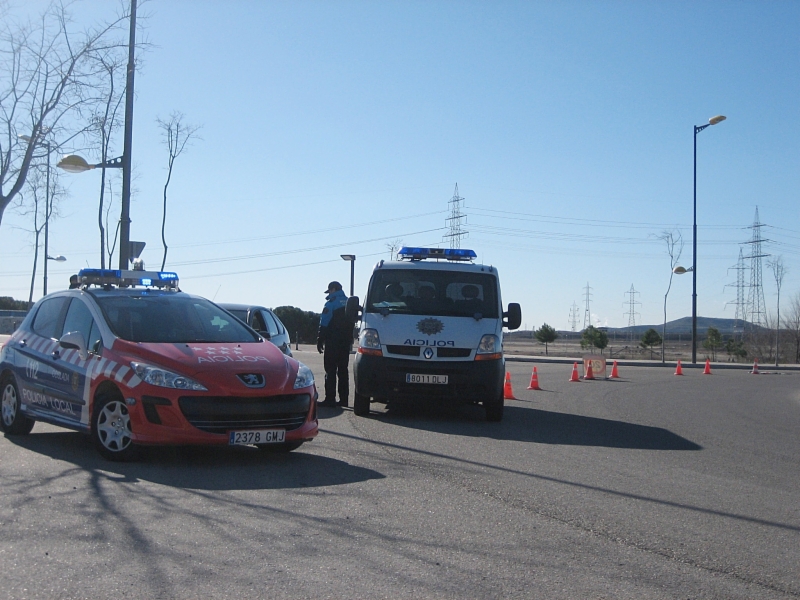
<point x="78" y="319"/>
<point x="258" y="321"/>
<point x="281" y="328"/>
<point x="272" y="327"/>
<point x="171" y="318"/>
<point x="48" y="317"/>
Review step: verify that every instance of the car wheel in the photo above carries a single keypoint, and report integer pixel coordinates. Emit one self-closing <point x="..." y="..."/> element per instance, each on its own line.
<point x="361" y="405"/>
<point x="13" y="421"/>
<point x="494" y="408"/>
<point x="111" y="429"/>
<point x="283" y="448"/>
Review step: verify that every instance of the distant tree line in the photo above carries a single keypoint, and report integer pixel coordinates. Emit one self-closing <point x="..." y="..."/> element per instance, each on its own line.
<point x="302" y="325"/>
<point x="8" y="303"/>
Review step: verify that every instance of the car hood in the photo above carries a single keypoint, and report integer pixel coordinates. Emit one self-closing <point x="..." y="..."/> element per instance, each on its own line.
<point x="216" y="364"/>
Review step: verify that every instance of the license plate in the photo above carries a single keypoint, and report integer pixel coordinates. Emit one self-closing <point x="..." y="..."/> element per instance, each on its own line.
<point x="413" y="378"/>
<point x="257" y="436"/>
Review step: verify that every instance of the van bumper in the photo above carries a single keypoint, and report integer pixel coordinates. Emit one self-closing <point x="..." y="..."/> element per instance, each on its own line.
<point x="383" y="378"/>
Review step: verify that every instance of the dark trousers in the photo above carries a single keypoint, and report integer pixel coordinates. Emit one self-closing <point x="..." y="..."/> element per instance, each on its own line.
<point x="336" y="359"/>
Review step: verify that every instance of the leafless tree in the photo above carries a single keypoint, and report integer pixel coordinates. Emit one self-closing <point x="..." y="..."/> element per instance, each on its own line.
<point x="48" y="86"/>
<point x="674" y="243"/>
<point x="778" y="271"/>
<point x="176" y="135"/>
<point x="394" y="247"/>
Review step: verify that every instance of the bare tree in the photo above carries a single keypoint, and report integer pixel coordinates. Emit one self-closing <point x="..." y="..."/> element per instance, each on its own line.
<point x="674" y="243"/>
<point x="47" y="85"/>
<point x="778" y="271"/>
<point x="394" y="247"/>
<point x="176" y="136"/>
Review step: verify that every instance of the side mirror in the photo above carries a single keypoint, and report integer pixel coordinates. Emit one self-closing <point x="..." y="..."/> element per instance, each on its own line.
<point x="352" y="310"/>
<point x="513" y="318"/>
<point x="74" y="340"/>
<point x="264" y="334"/>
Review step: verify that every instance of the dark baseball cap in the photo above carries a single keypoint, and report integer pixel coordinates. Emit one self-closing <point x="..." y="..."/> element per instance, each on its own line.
<point x="333" y="286"/>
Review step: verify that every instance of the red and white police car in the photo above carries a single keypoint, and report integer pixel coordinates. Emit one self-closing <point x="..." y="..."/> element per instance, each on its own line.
<point x="131" y="360"/>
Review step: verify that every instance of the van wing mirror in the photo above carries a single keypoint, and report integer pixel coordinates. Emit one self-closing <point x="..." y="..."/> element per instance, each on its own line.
<point x="352" y="310"/>
<point x="513" y="318"/>
<point x="74" y="340"/>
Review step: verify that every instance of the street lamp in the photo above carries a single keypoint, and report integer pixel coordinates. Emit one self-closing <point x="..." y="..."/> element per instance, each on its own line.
<point x="352" y="259"/>
<point x="697" y="129"/>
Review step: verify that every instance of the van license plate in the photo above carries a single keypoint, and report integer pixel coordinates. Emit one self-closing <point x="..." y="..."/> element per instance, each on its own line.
<point x="412" y="378"/>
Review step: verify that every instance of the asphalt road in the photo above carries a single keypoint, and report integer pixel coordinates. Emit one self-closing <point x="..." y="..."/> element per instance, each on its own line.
<point x="651" y="486"/>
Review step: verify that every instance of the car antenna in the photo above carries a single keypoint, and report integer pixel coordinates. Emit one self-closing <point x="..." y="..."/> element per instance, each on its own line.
<point x="217" y="292"/>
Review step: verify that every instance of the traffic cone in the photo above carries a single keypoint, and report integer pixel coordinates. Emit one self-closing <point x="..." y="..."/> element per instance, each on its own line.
<point x="589" y="374"/>
<point x="755" y="368"/>
<point x="707" y="370"/>
<point x="614" y="372"/>
<point x="534" y="385"/>
<point x="575" y="373"/>
<point x="508" y="393"/>
<point x="679" y="369"/>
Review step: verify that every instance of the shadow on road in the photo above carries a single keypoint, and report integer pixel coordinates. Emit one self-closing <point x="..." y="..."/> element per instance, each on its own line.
<point x="537" y="426"/>
<point x="202" y="467"/>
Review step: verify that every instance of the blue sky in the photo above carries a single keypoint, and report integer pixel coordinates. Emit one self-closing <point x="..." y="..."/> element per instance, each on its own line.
<point x="338" y="127"/>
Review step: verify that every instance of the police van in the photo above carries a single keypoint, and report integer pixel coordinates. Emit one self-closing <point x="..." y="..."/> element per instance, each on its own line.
<point x="432" y="329"/>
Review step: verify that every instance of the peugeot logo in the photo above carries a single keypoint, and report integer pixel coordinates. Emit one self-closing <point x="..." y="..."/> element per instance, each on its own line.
<point x="252" y="380"/>
<point x="428" y="353"/>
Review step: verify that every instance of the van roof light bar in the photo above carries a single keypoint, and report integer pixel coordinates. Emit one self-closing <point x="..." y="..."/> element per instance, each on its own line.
<point x="457" y="254"/>
<point x="121" y="278"/>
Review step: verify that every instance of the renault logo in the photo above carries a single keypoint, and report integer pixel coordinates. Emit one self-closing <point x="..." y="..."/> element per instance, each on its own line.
<point x="252" y="380"/>
<point x="428" y="353"/>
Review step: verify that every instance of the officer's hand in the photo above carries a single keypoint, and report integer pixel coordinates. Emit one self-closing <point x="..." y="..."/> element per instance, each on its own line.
<point x="320" y="347"/>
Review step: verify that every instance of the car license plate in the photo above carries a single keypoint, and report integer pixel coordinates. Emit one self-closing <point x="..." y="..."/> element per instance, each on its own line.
<point x="257" y="436"/>
<point x="414" y="378"/>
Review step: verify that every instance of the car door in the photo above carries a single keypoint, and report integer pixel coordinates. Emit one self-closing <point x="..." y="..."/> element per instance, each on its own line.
<point x="38" y="379"/>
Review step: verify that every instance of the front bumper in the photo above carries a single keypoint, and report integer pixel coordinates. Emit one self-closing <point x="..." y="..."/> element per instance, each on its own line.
<point x="383" y="378"/>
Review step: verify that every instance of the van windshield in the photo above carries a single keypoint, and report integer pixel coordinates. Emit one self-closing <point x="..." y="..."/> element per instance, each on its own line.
<point x="439" y="293"/>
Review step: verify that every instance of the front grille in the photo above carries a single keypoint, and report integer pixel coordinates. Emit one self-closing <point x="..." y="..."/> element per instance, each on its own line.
<point x="220" y="414"/>
<point x="404" y="350"/>
<point x="453" y="352"/>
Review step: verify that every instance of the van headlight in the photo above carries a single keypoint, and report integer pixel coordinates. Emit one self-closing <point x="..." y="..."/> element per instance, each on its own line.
<point x="370" y="343"/>
<point x="305" y="378"/>
<point x="163" y="378"/>
<point x="489" y="348"/>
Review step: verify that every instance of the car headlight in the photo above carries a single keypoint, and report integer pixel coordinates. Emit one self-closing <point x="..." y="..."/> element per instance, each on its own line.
<point x="163" y="378"/>
<point x="489" y="348"/>
<point x="305" y="378"/>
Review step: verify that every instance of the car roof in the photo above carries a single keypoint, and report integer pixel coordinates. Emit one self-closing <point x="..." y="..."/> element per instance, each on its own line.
<point x="233" y="306"/>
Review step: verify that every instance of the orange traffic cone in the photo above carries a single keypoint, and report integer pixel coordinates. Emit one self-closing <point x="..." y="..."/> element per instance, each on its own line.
<point x="707" y="370"/>
<point x="589" y="373"/>
<point x="534" y="380"/>
<point x="575" y="373"/>
<point x="755" y="368"/>
<point x="614" y="372"/>
<point x="679" y="369"/>
<point x="508" y="393"/>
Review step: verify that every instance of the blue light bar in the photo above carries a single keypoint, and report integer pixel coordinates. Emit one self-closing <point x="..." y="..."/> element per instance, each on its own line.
<point x="119" y="278"/>
<point x="411" y="253"/>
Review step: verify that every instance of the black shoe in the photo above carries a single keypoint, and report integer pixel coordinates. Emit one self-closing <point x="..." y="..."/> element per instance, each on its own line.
<point x="329" y="403"/>
<point x="344" y="403"/>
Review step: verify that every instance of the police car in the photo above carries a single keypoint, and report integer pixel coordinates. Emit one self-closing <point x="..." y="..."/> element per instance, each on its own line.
<point x="432" y="329"/>
<point x="131" y="360"/>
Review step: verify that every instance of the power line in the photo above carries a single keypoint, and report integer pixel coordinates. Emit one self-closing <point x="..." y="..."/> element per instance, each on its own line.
<point x="587" y="314"/>
<point x="756" y="305"/>
<point x="455" y="222"/>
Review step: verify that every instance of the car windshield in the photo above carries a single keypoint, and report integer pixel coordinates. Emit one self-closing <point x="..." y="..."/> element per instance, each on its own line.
<point x="159" y="317"/>
<point x="428" y="292"/>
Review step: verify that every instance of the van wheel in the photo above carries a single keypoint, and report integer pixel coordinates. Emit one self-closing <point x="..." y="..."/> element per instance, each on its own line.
<point x="494" y="408"/>
<point x="361" y="405"/>
<point x="13" y="421"/>
<point x="111" y="429"/>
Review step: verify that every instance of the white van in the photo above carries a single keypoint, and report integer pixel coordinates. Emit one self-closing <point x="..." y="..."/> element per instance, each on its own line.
<point x="432" y="328"/>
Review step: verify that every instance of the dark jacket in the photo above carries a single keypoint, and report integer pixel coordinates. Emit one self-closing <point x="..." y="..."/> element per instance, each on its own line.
<point x="333" y="324"/>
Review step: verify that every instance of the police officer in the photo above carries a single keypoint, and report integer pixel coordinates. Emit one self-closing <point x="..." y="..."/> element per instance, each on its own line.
<point x="334" y="339"/>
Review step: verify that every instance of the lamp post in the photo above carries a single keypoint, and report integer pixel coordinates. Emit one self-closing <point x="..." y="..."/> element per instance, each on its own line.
<point x="697" y="129"/>
<point x="351" y="258"/>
